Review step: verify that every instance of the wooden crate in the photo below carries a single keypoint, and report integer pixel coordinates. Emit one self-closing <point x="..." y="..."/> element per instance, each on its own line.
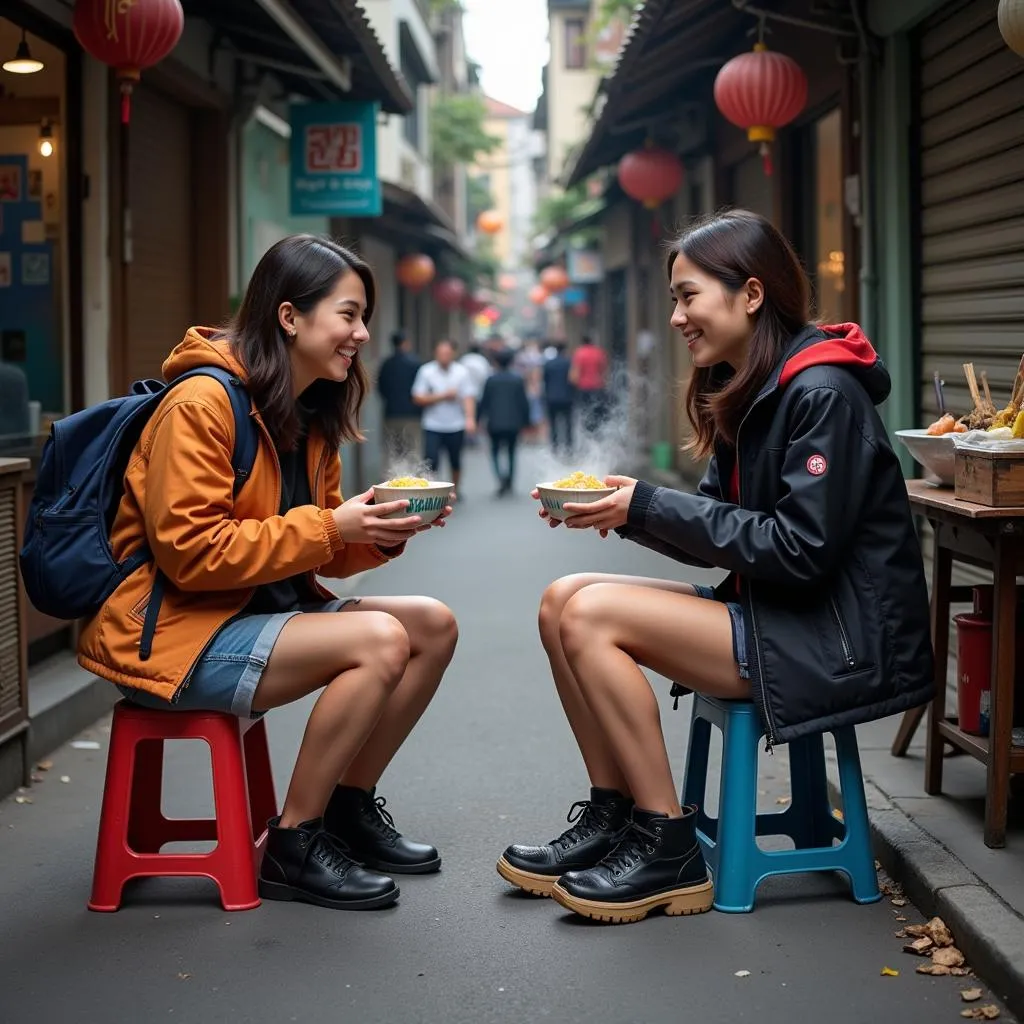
<point x="990" y="478"/>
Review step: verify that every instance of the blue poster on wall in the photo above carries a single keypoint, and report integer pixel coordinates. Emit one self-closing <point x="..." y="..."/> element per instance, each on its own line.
<point x="334" y="160"/>
<point x="29" y="335"/>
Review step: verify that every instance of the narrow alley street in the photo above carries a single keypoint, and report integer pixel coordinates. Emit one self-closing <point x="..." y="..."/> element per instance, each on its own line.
<point x="491" y="763"/>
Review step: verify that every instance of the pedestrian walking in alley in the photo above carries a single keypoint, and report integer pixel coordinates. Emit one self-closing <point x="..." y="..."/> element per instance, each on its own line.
<point x="529" y="363"/>
<point x="589" y="376"/>
<point x="480" y="368"/>
<point x="823" y="619"/>
<point x="402" y="433"/>
<point x="242" y="625"/>
<point x="444" y="390"/>
<point x="558" y="398"/>
<point x="506" y="410"/>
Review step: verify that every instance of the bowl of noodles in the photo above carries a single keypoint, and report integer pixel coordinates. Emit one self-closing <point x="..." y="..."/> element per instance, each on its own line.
<point x="427" y="498"/>
<point x="578" y="488"/>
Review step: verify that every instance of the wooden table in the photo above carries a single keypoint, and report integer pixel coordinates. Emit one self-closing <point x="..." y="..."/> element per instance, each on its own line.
<point x="991" y="538"/>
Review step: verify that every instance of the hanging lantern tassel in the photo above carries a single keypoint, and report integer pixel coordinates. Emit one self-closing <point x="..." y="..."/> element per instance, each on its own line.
<point x="127" y="85"/>
<point x="766" y="159"/>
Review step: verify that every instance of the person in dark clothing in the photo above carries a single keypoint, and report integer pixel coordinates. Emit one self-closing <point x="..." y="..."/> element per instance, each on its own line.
<point x="506" y="408"/>
<point x="402" y="434"/>
<point x="822" y="620"/>
<point x="558" y="396"/>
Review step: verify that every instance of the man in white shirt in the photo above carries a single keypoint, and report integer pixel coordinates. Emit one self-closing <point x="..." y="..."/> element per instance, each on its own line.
<point x="445" y="391"/>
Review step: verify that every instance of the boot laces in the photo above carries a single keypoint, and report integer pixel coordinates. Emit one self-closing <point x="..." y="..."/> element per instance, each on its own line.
<point x="379" y="817"/>
<point x="330" y="851"/>
<point x="635" y="842"/>
<point x="586" y="818"/>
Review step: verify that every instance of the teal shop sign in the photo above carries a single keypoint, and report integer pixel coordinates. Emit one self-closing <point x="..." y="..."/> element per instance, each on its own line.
<point x="334" y="160"/>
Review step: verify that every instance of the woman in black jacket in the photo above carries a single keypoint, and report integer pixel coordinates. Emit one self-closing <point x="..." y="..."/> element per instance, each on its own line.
<point x="823" y="618"/>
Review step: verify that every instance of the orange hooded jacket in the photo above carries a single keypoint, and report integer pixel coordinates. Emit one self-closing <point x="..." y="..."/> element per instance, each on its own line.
<point x="213" y="550"/>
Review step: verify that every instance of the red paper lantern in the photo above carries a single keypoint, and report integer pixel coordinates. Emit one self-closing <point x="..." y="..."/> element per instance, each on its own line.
<point x="415" y="271"/>
<point x="761" y="91"/>
<point x="554" y="279"/>
<point x="449" y="292"/>
<point x="129" y="36"/>
<point x="650" y="175"/>
<point x="489" y="222"/>
<point x="538" y="295"/>
<point x="475" y="303"/>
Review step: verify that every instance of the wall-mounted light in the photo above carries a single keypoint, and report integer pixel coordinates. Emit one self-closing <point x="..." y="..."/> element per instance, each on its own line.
<point x="46" y="139"/>
<point x="23" y="63"/>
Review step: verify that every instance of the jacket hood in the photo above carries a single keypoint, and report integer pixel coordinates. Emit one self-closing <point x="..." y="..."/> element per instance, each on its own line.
<point x="199" y="349"/>
<point x="843" y="345"/>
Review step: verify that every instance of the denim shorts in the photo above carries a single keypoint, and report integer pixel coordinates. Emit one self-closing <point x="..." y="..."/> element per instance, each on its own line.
<point x="228" y="671"/>
<point x="739" y="628"/>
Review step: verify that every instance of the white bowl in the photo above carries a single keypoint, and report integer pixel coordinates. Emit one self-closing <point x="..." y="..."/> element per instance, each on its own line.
<point x="554" y="498"/>
<point x="426" y="502"/>
<point x="933" y="451"/>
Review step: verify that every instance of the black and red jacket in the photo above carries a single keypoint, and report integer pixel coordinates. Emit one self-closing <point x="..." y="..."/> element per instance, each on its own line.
<point x="809" y="514"/>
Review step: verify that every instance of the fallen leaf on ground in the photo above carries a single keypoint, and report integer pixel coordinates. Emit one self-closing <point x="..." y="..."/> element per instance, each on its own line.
<point x="937" y="970"/>
<point x="989" y="1012"/>
<point x="36" y="777"/>
<point x="899" y="901"/>
<point x="948" y="956"/>
<point x="939" y="932"/>
<point x="742" y="974"/>
<point x="23" y="799"/>
<point x="65" y="778"/>
<point x="44" y="766"/>
<point x="183" y="976"/>
<point x="901" y="934"/>
<point x="970" y="995"/>
<point x="919" y="946"/>
<point x="900" y="917"/>
<point x="888" y="972"/>
<point x="960" y="972"/>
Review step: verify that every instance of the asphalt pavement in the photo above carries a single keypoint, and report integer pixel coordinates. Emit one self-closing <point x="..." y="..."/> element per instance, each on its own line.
<point x="491" y="763"/>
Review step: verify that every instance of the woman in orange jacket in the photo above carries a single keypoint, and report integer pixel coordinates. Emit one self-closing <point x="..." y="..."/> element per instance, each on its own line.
<point x="243" y="625"/>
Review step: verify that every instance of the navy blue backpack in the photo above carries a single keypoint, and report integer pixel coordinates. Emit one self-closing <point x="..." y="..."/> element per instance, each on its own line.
<point x="66" y="561"/>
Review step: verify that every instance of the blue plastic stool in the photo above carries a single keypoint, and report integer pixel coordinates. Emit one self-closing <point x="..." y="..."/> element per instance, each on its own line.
<point x="729" y="841"/>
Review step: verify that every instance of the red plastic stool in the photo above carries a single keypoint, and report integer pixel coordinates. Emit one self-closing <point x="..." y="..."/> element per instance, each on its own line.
<point x="133" y="827"/>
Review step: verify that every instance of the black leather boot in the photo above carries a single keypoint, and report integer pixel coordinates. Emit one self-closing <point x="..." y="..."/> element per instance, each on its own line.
<point x="596" y="827"/>
<point x="658" y="863"/>
<point x="306" y="863"/>
<point x="361" y="820"/>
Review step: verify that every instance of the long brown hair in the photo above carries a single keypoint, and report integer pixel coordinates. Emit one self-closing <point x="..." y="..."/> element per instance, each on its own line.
<point x="302" y="270"/>
<point x="733" y="247"/>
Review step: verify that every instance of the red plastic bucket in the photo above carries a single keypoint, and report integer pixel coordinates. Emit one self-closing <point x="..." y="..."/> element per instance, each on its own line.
<point x="974" y="672"/>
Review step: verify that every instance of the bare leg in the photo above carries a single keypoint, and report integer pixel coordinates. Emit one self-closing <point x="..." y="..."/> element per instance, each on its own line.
<point x="608" y="631"/>
<point x="432" y="633"/>
<point x="361" y="660"/>
<point x="598" y="757"/>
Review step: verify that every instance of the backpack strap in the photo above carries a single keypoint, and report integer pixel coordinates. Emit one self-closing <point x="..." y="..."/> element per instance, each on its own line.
<point x="246" y="435"/>
<point x="242" y="459"/>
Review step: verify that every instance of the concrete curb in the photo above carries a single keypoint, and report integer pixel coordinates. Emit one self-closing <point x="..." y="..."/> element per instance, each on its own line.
<point x="987" y="930"/>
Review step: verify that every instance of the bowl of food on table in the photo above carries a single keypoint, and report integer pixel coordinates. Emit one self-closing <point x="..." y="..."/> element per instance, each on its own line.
<point x="577" y="488"/>
<point x="427" y="498"/>
<point x="933" y="446"/>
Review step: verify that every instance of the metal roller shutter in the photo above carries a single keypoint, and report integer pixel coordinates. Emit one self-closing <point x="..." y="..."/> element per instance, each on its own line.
<point x="161" y="301"/>
<point x="971" y="203"/>
<point x="971" y="195"/>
